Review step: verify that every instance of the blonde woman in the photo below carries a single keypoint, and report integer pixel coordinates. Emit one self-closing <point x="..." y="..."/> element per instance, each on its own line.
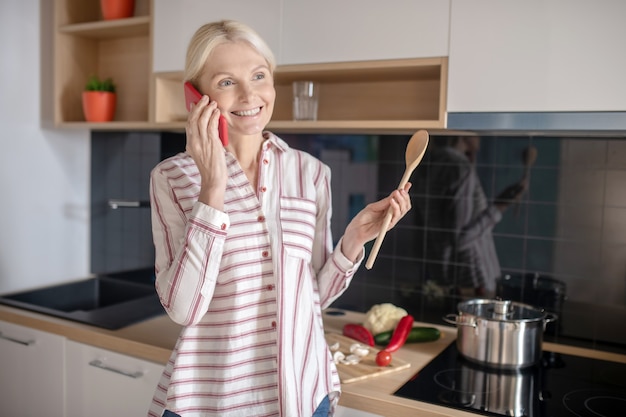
<point x="244" y="254"/>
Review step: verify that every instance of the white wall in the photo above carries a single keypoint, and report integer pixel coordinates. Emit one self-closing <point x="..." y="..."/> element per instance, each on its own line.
<point x="44" y="173"/>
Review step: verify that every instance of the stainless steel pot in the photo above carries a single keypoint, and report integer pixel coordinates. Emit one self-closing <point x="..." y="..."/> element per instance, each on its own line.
<point x="500" y="334"/>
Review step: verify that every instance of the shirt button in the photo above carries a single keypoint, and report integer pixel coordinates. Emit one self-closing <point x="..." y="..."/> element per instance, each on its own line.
<point x="261" y="218"/>
<point x="265" y="254"/>
<point x="270" y="287"/>
<point x="266" y="161"/>
<point x="273" y="324"/>
<point x="263" y="189"/>
<point x="223" y="226"/>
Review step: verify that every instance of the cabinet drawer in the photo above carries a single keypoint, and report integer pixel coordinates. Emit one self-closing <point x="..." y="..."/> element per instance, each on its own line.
<point x="32" y="364"/>
<point x="105" y="383"/>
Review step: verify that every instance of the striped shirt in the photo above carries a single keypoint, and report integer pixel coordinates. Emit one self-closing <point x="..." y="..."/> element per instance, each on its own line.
<point x="248" y="285"/>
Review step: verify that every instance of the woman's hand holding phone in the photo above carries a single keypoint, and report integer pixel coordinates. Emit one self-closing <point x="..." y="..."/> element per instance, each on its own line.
<point x="193" y="96"/>
<point x="206" y="151"/>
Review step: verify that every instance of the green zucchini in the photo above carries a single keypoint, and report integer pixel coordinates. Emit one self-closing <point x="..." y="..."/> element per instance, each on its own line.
<point x="416" y="335"/>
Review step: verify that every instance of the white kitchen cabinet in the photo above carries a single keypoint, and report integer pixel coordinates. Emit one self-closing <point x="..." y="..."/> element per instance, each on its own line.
<point x="176" y="21"/>
<point x="101" y="383"/>
<point x="537" y="55"/>
<point x="310" y="31"/>
<point x="355" y="30"/>
<point x="31" y="372"/>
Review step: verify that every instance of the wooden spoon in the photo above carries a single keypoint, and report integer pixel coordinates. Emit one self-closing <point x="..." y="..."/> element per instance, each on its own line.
<point x="415" y="150"/>
<point x="529" y="156"/>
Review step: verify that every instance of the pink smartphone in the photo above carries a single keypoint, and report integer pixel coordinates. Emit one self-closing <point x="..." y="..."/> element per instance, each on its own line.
<point x="192" y="96"/>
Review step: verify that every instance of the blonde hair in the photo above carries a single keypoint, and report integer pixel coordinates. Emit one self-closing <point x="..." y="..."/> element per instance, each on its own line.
<point x="213" y="34"/>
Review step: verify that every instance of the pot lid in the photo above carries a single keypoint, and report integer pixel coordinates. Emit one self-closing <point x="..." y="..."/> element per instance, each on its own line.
<point x="504" y="310"/>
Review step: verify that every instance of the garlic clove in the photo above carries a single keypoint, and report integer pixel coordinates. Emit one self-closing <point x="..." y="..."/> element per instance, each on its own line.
<point x="359" y="350"/>
<point x="338" y="357"/>
<point x="351" y="360"/>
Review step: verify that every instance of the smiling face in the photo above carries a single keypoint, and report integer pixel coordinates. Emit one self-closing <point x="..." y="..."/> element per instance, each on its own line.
<point x="239" y="79"/>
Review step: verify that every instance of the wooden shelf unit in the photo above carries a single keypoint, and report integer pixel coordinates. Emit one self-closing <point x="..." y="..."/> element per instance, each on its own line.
<point x="367" y="96"/>
<point x="383" y="96"/>
<point x="86" y="45"/>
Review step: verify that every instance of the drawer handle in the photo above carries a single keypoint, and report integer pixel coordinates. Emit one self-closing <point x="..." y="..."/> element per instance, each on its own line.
<point x="99" y="364"/>
<point x="14" y="340"/>
<point x="115" y="204"/>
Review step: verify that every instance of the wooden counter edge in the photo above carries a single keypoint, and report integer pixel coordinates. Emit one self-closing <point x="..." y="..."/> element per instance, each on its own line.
<point x="116" y="341"/>
<point x="390" y="406"/>
<point x="588" y="353"/>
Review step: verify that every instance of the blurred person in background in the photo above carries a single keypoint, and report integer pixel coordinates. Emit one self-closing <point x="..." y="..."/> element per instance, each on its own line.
<point x="459" y="219"/>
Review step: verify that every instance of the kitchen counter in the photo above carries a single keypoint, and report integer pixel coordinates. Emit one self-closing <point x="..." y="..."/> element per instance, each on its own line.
<point x="151" y="339"/>
<point x="376" y="395"/>
<point x="154" y="340"/>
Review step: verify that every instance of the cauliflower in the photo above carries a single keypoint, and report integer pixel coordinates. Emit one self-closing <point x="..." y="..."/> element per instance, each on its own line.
<point x="383" y="317"/>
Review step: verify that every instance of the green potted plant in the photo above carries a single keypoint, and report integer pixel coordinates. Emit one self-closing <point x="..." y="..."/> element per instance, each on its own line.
<point x="99" y="100"/>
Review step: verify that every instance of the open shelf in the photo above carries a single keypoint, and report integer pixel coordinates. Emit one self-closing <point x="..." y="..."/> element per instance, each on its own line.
<point x="358" y="97"/>
<point x="121" y="28"/>
<point x="384" y="96"/>
<point x="86" y="45"/>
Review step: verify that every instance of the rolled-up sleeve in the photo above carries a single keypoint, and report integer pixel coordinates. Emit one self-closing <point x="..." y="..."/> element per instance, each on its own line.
<point x="188" y="250"/>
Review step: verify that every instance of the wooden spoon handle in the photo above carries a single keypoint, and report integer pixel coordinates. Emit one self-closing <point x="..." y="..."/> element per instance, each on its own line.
<point x="379" y="240"/>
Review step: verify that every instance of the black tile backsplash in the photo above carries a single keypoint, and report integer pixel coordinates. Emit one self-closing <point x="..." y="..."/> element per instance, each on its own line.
<point x="121" y="239"/>
<point x="570" y="226"/>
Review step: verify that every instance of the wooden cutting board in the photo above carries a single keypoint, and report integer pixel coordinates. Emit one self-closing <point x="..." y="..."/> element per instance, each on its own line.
<point x="367" y="367"/>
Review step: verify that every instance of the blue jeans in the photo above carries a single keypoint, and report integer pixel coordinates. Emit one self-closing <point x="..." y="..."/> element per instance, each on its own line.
<point x="322" y="410"/>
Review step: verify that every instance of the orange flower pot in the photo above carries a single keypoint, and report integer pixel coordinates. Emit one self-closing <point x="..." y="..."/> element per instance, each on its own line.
<point x="117" y="9"/>
<point x="99" y="106"/>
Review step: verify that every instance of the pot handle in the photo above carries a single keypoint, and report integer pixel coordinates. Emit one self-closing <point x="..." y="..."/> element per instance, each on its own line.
<point x="453" y="319"/>
<point x="550" y="317"/>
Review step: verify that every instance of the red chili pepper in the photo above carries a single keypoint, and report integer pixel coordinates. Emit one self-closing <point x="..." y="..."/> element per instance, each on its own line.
<point x="400" y="334"/>
<point x="358" y="332"/>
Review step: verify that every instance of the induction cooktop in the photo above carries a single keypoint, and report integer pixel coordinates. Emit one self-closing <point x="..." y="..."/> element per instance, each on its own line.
<point x="559" y="385"/>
